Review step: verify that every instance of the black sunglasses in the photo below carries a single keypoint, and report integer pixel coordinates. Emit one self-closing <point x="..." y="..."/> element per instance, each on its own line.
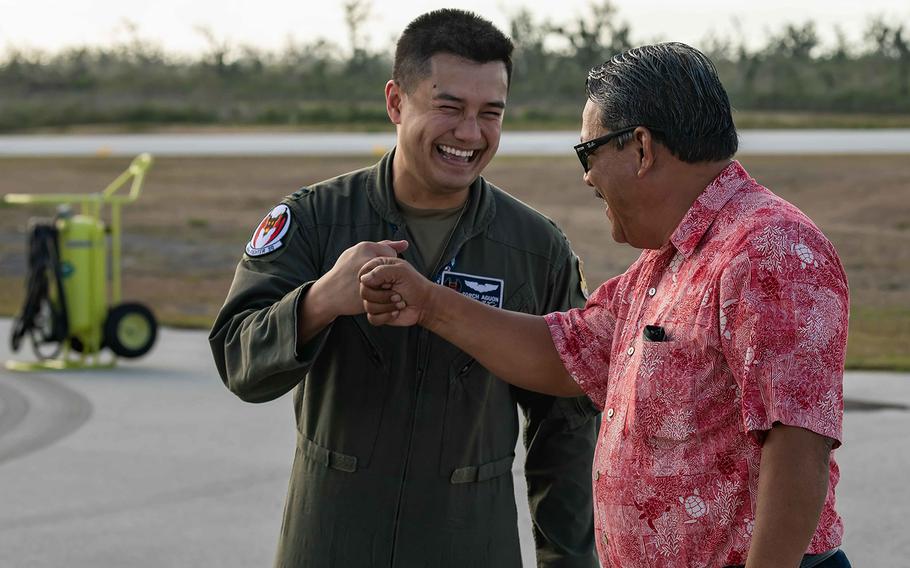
<point x="585" y="149"/>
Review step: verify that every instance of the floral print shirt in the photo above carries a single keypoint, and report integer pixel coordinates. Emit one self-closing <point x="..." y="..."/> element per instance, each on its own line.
<point x="753" y="300"/>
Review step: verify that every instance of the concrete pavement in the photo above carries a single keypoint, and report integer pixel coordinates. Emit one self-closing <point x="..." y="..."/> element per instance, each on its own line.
<point x="155" y="463"/>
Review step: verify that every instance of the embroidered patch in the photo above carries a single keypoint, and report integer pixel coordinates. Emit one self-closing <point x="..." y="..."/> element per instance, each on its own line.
<point x="267" y="236"/>
<point x="481" y="288"/>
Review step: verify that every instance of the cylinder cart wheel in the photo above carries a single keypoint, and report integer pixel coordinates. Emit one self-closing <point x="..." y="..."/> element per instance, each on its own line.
<point x="130" y="330"/>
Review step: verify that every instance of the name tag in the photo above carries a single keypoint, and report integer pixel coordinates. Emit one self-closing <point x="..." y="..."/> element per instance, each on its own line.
<point x="481" y="288"/>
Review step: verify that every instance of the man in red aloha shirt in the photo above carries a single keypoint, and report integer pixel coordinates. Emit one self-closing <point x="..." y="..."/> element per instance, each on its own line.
<point x="717" y="356"/>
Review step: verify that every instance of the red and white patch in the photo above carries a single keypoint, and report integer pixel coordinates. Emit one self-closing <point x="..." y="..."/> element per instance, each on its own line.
<point x="267" y="236"/>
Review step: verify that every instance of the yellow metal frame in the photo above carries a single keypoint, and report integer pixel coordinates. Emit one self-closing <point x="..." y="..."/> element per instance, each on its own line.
<point x="91" y="205"/>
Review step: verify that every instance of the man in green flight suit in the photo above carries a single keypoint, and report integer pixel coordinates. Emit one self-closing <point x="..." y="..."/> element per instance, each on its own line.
<point x="405" y="444"/>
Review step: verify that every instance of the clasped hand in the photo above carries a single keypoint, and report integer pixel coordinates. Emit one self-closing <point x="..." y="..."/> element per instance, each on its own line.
<point x="394" y="293"/>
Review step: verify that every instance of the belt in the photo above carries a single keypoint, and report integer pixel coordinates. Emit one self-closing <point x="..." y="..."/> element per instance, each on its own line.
<point x="809" y="560"/>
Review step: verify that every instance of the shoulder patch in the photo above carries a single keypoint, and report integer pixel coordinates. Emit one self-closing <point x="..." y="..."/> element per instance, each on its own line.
<point x="267" y="236"/>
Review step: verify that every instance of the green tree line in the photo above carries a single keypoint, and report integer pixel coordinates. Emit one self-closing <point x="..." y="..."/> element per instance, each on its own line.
<point x="321" y="83"/>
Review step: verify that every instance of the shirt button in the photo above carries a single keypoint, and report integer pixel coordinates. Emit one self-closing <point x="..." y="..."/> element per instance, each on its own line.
<point x="609" y="413"/>
<point x="631" y="351"/>
<point x="596" y="475"/>
<point x="652" y="291"/>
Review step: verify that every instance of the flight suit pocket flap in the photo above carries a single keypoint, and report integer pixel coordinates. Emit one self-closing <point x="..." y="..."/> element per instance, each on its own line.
<point x="325" y="456"/>
<point x="483" y="472"/>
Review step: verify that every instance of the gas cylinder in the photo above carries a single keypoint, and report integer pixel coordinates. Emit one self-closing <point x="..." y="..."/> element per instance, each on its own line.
<point x="83" y="268"/>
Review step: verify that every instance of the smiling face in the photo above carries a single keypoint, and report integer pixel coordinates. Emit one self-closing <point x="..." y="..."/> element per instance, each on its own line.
<point x="448" y="129"/>
<point x="612" y="174"/>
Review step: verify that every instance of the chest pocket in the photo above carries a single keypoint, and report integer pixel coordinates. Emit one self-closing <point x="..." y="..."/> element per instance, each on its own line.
<point x="480" y="423"/>
<point x="680" y="399"/>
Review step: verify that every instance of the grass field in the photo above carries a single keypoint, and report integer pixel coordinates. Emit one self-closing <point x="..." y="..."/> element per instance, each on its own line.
<point x="184" y="236"/>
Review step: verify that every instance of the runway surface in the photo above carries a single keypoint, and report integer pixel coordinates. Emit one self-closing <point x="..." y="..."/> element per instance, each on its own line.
<point x="154" y="463"/>
<point x="514" y="143"/>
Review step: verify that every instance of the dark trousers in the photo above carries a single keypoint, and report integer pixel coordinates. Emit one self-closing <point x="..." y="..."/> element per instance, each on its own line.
<point x="836" y="560"/>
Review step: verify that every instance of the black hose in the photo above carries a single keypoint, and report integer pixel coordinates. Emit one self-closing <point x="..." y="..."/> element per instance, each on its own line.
<point x="43" y="317"/>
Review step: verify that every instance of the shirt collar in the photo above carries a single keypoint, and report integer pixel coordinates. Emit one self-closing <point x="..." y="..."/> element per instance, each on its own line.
<point x="481" y="207"/>
<point x="691" y="230"/>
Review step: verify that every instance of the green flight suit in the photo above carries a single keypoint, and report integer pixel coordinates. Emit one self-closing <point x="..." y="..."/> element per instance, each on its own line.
<point x="405" y="444"/>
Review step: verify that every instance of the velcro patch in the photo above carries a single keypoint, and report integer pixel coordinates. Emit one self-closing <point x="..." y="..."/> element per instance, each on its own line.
<point x="267" y="236"/>
<point x="481" y="288"/>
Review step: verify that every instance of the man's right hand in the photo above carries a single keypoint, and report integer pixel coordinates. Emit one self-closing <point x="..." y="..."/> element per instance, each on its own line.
<point x="516" y="347"/>
<point x="337" y="292"/>
<point x="393" y="292"/>
<point x="339" y="289"/>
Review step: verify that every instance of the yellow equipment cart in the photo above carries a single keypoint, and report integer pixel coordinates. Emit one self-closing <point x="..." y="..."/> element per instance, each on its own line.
<point x="70" y="313"/>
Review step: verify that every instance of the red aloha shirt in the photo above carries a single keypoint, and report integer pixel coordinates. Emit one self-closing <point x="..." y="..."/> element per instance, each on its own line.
<point x="754" y="302"/>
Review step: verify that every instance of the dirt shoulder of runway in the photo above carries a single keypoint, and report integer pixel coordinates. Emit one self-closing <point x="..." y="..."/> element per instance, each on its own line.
<point x="183" y="237"/>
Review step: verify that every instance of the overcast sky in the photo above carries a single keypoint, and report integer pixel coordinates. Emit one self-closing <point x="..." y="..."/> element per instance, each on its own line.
<point x="174" y="24"/>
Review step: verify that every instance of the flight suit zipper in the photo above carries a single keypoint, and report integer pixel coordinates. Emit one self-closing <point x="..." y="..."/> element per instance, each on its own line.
<point x="422" y="360"/>
<point x="421" y="369"/>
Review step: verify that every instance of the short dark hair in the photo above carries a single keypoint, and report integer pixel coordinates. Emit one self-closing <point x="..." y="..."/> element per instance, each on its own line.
<point x="671" y="87"/>
<point x="456" y="32"/>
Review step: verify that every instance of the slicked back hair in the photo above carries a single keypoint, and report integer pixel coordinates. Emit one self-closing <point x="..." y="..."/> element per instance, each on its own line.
<point x="451" y="31"/>
<point x="671" y="87"/>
